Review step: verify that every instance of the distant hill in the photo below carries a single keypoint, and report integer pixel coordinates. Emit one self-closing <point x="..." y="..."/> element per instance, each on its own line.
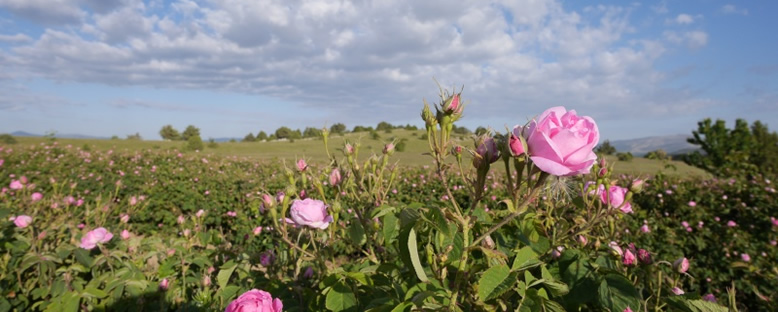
<point x="58" y="135"/>
<point x="672" y="144"/>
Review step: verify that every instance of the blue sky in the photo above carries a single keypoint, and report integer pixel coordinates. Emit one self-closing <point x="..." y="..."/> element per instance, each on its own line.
<point x="230" y="67"/>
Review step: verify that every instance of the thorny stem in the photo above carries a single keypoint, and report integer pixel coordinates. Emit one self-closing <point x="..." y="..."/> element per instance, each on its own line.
<point x="519" y="210"/>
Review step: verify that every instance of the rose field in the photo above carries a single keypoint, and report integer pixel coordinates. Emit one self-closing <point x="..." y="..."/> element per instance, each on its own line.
<point x="525" y="219"/>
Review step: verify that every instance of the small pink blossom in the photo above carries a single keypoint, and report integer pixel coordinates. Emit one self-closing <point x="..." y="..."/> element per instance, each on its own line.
<point x="164" y="284"/>
<point x="200" y="213"/>
<point x="125" y="235"/>
<point x="678" y="291"/>
<point x="301" y="165"/>
<point x="745" y="257"/>
<point x="731" y="223"/>
<point x="692" y="203"/>
<point x="257" y="230"/>
<point x="16" y="185"/>
<point x="681" y="265"/>
<point x="22" y="221"/>
<point x="36" y="196"/>
<point x="180" y="219"/>
<point x="629" y="258"/>
<point x="94" y="237"/>
<point x="645" y="228"/>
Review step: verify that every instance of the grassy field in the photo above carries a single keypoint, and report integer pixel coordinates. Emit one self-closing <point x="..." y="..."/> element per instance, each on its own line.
<point x="313" y="150"/>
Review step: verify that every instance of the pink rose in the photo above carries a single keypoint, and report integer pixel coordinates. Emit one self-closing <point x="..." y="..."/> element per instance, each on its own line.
<point x="645" y="228"/>
<point x="678" y="291"/>
<point x="16" y="185"/>
<point x="94" y="237"/>
<point x="257" y="230"/>
<point x="615" y="197"/>
<point x="561" y="143"/>
<point x="255" y="301"/>
<point x="125" y="234"/>
<point x="310" y="212"/>
<point x="164" y="284"/>
<point x="36" y="196"/>
<point x="629" y="258"/>
<point x="22" y="221"/>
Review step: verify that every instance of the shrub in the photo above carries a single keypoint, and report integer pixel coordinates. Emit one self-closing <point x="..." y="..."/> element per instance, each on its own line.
<point x="7" y="139"/>
<point x="194" y="143"/>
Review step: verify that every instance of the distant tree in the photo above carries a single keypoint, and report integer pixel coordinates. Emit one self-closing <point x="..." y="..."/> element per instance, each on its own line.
<point x="311" y="132"/>
<point x="362" y="129"/>
<point x="480" y="131"/>
<point x="460" y="130"/>
<point x="135" y="136"/>
<point x="7" y="139"/>
<point x="284" y="133"/>
<point x="194" y="143"/>
<point x="400" y="146"/>
<point x="741" y="149"/>
<point x="169" y="133"/>
<point x="606" y="148"/>
<point x="189" y="132"/>
<point x="114" y="137"/>
<point x="624" y="156"/>
<point x="212" y="143"/>
<point x="262" y="136"/>
<point x="659" y="154"/>
<point x="338" y="128"/>
<point x="232" y="141"/>
<point x="410" y="127"/>
<point x="383" y="126"/>
<point x="249" y="138"/>
<point x="272" y="137"/>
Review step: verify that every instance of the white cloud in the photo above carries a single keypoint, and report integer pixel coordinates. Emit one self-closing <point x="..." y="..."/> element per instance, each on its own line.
<point x="732" y="9"/>
<point x="684" y="19"/>
<point x="47" y="12"/>
<point x="17" y="38"/>
<point x="379" y="54"/>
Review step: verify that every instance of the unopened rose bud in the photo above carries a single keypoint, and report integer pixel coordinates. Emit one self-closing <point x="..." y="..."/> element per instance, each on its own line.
<point x="557" y="252"/>
<point x="180" y="219"/>
<point x="516" y="144"/>
<point x="308" y="273"/>
<point x="602" y="172"/>
<point x="348" y="149"/>
<point x="488" y="242"/>
<point x="427" y="116"/>
<point x="200" y="213"/>
<point x="629" y="258"/>
<point x="164" y="284"/>
<point x="581" y="240"/>
<point x="636" y="186"/>
<point x="644" y="256"/>
<point x="681" y="265"/>
<point x="388" y="149"/>
<point x="452" y="104"/>
<point x="335" y="177"/>
<point x="616" y="249"/>
<point x="677" y="291"/>
<point x="268" y="201"/>
<point x="301" y="165"/>
<point x="207" y="281"/>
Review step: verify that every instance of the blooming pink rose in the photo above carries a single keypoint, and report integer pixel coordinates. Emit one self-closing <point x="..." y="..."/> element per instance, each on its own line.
<point x="94" y="237"/>
<point x="255" y="301"/>
<point x="16" y="185"/>
<point x="615" y="196"/>
<point x="36" y="196"/>
<point x="561" y="143"/>
<point x="22" y="221"/>
<point x="310" y="212"/>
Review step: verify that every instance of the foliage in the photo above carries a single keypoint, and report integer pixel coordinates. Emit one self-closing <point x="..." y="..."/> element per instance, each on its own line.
<point x="169" y="133"/>
<point x="189" y="132"/>
<point x="135" y="136"/>
<point x="261" y="136"/>
<point x="338" y="128"/>
<point x="384" y="126"/>
<point x="481" y="131"/>
<point x="605" y="148"/>
<point x="624" y="156"/>
<point x="741" y="150"/>
<point x="362" y="129"/>
<point x="284" y="133"/>
<point x="311" y="132"/>
<point x="7" y="139"/>
<point x="194" y="143"/>
<point x="249" y="138"/>
<point x="212" y="143"/>
<point x="659" y="154"/>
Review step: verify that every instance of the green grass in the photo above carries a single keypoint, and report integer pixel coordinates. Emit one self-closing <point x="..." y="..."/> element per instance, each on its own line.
<point x="313" y="150"/>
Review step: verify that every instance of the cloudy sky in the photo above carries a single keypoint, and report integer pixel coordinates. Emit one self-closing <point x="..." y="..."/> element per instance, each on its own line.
<point x="230" y="67"/>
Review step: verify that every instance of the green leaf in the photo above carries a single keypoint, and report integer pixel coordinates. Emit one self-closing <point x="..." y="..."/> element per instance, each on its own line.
<point x="413" y="252"/>
<point x="357" y="233"/>
<point x="83" y="257"/>
<point x="494" y="282"/>
<point x="94" y="292"/>
<point x="390" y="229"/>
<point x="681" y="303"/>
<point x="340" y="298"/>
<point x="526" y="258"/>
<point x="556" y="288"/>
<point x="616" y="293"/>
<point x="225" y="271"/>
